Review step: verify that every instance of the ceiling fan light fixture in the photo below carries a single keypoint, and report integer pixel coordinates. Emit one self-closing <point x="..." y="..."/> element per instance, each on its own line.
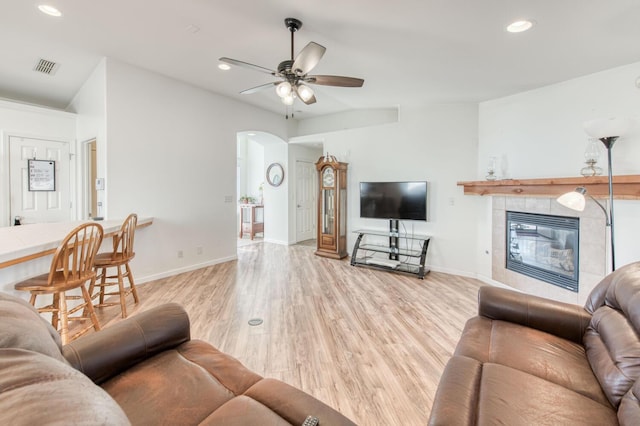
<point x="288" y="100"/>
<point x="293" y="74"/>
<point x="283" y="90"/>
<point x="224" y="67"/>
<point x="305" y="92"/>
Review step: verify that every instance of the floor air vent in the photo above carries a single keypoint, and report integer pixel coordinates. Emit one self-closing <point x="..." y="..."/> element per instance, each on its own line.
<point x="46" y="67"/>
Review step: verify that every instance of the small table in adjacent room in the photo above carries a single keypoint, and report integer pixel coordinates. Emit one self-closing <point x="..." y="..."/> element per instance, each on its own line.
<point x="251" y="219"/>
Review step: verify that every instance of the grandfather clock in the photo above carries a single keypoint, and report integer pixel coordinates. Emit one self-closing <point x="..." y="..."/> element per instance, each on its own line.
<point x="332" y="207"/>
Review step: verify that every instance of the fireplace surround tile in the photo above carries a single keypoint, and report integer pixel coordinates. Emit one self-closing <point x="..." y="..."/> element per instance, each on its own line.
<point x="515" y="204"/>
<point x="498" y="202"/>
<point x="594" y="249"/>
<point x="537" y="205"/>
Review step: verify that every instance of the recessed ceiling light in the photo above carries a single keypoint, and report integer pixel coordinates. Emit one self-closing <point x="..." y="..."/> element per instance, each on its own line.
<point x="520" y="26"/>
<point x="49" y="10"/>
<point x="224" y="67"/>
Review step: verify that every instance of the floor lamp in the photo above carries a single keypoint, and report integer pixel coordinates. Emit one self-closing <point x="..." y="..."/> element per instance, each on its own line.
<point x="602" y="129"/>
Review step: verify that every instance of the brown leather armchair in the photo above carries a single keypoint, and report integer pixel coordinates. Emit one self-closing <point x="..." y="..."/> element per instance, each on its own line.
<point x="142" y="370"/>
<point x="526" y="360"/>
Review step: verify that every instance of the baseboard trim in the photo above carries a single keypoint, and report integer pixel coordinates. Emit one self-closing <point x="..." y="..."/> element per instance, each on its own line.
<point x="479" y="277"/>
<point x="282" y="243"/>
<point x="172" y="272"/>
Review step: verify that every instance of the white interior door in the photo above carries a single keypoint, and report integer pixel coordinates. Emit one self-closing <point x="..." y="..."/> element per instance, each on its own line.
<point x="39" y="206"/>
<point x="306" y="203"/>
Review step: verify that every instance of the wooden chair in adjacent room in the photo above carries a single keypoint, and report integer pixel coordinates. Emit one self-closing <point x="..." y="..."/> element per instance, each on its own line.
<point x="119" y="258"/>
<point x="71" y="268"/>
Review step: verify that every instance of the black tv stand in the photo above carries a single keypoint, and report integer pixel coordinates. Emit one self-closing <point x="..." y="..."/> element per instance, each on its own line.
<point x="393" y="237"/>
<point x="409" y="259"/>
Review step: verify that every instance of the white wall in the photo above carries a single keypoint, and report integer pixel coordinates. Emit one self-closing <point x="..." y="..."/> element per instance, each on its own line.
<point x="433" y="143"/>
<point x="171" y="154"/>
<point x="251" y="163"/>
<point x="540" y="133"/>
<point x="345" y="120"/>
<point x="90" y="105"/>
<point x="255" y="168"/>
<point x="276" y="217"/>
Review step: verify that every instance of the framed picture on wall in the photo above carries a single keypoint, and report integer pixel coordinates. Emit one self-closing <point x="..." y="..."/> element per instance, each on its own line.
<point x="42" y="175"/>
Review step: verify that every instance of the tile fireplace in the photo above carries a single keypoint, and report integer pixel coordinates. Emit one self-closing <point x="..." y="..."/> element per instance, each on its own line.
<point x="558" y="251"/>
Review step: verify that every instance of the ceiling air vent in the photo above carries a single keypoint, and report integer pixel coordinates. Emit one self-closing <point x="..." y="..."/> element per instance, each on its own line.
<point x="46" y="67"/>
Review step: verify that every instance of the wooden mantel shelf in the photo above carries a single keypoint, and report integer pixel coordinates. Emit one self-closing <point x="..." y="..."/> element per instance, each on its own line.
<point x="625" y="187"/>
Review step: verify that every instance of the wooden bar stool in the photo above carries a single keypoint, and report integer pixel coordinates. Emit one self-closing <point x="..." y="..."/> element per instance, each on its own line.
<point x="71" y="268"/>
<point x="119" y="258"/>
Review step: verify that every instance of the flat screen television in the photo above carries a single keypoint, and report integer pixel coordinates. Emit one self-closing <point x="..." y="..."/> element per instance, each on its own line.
<point x="393" y="200"/>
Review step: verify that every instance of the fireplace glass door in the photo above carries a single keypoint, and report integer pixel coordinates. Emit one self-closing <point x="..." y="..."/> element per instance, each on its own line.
<point x="544" y="247"/>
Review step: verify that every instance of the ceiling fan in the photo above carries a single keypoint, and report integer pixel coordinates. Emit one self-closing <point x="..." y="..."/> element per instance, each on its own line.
<point x="295" y="72"/>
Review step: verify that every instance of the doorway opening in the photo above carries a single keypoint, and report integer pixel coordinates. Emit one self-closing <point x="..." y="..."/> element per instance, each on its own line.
<point x="289" y="206"/>
<point x="249" y="188"/>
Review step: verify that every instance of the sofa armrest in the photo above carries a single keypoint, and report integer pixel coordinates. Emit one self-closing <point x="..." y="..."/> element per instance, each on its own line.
<point x="561" y="319"/>
<point x="105" y="354"/>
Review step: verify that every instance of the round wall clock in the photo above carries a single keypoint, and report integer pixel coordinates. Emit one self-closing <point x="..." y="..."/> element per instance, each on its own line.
<point x="275" y="174"/>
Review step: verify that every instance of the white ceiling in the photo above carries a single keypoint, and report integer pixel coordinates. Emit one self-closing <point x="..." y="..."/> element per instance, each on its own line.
<point x="410" y="52"/>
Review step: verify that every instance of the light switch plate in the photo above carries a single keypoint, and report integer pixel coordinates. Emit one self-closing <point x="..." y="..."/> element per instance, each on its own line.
<point x="100" y="184"/>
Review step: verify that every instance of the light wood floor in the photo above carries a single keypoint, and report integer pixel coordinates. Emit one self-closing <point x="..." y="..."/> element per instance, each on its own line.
<point x="371" y="344"/>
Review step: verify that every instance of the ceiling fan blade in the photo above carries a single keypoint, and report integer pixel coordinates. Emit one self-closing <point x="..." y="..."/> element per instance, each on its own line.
<point x="308" y="58"/>
<point x="334" y="80"/>
<point x="259" y="88"/>
<point x="247" y="65"/>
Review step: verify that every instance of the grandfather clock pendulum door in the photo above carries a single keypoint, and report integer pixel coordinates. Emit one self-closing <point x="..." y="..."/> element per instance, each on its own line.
<point x="332" y="208"/>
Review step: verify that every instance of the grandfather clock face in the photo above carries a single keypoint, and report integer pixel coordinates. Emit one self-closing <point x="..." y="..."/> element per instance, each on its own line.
<point x="328" y="177"/>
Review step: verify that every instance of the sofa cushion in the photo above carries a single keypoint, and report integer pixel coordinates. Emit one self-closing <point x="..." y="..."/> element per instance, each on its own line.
<point x="612" y="340"/>
<point x="23" y="327"/>
<point x="473" y="393"/>
<point x="513" y="397"/>
<point x="242" y="411"/>
<point x="189" y="382"/>
<point x="36" y="389"/>
<point x="540" y="354"/>
<point x="196" y="383"/>
<point x="292" y="404"/>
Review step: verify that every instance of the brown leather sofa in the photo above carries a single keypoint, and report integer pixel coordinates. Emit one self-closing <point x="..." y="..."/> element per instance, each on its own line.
<point x="143" y="370"/>
<point x="526" y="360"/>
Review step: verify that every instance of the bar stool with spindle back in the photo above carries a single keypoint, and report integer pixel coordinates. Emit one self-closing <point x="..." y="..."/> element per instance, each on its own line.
<point x="71" y="268"/>
<point x="120" y="257"/>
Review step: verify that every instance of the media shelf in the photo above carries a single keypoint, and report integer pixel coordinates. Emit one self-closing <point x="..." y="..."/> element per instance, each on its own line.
<point x="410" y="258"/>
